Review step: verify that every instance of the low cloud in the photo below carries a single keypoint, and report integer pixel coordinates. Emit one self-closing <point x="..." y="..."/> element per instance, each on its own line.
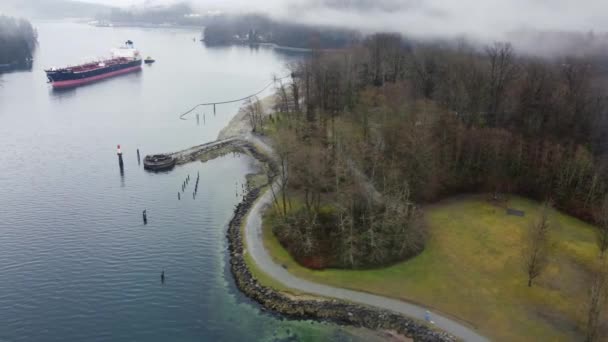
<point x="483" y="20"/>
<point x="487" y="19"/>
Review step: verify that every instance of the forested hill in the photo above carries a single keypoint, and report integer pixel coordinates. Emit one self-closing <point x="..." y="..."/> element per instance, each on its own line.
<point x="17" y="41"/>
<point x="261" y="29"/>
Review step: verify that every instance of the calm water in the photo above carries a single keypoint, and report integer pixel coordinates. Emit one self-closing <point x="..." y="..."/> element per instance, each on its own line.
<point x="76" y="262"/>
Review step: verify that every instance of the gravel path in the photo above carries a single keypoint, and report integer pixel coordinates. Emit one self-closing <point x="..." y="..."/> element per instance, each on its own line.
<point x="255" y="247"/>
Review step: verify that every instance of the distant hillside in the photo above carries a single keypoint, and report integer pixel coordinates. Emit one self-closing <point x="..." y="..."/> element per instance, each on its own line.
<point x="253" y="28"/>
<point x="51" y="9"/>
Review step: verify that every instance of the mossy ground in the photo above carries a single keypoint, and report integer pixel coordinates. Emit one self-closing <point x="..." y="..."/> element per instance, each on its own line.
<point x="472" y="268"/>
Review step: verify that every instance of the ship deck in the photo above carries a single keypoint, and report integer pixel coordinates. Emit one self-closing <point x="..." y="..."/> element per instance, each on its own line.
<point x="94" y="65"/>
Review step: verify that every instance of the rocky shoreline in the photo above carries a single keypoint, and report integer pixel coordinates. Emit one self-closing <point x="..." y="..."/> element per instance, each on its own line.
<point x="335" y="311"/>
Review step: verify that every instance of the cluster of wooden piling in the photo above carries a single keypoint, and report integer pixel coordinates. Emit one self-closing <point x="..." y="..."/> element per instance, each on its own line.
<point x="198" y="119"/>
<point x="198" y="176"/>
<point x="185" y="185"/>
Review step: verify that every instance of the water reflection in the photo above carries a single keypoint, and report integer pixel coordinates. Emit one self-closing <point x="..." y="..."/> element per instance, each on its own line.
<point x="121" y="166"/>
<point x="16" y="68"/>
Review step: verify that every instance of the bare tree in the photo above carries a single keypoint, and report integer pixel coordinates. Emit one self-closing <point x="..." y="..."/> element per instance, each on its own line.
<point x="385" y="57"/>
<point x="254" y="111"/>
<point x="283" y="98"/>
<point x="295" y="91"/>
<point x="537" y="245"/>
<point x="597" y="299"/>
<point x="602" y="221"/>
<point x="425" y="68"/>
<point x="502" y="71"/>
<point x="536" y="100"/>
<point x="577" y="95"/>
<point x="286" y="143"/>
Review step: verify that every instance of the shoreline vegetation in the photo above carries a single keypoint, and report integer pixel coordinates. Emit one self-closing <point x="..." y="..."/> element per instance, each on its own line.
<point x="18" y="40"/>
<point x="260" y="29"/>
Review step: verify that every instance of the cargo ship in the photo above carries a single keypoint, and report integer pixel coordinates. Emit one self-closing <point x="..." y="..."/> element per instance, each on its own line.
<point x="124" y="60"/>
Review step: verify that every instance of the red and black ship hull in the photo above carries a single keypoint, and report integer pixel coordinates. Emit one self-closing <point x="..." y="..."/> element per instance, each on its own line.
<point x="75" y="76"/>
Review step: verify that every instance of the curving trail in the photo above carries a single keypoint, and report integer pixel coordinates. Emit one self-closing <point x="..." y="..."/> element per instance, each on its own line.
<point x="255" y="247"/>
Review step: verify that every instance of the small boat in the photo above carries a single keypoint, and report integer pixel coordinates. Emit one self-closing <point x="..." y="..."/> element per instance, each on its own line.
<point x="149" y="60"/>
<point x="159" y="162"/>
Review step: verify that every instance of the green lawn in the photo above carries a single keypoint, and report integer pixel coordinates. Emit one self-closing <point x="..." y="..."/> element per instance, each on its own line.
<point x="472" y="269"/>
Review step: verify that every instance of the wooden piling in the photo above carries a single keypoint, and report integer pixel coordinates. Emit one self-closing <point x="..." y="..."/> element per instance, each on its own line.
<point x="120" y="162"/>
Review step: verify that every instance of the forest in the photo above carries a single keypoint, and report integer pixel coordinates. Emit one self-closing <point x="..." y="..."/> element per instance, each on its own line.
<point x="17" y="41"/>
<point x="223" y="29"/>
<point x="368" y="134"/>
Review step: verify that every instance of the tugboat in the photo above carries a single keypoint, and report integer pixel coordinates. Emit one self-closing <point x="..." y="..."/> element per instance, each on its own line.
<point x="159" y="162"/>
<point x="149" y="60"/>
<point x="124" y="60"/>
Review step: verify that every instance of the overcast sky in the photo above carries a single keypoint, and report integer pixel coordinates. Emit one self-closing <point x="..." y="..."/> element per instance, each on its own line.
<point x="479" y="18"/>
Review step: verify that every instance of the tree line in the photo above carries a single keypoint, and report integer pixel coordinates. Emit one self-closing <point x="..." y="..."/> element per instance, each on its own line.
<point x="258" y="28"/>
<point x="17" y="41"/>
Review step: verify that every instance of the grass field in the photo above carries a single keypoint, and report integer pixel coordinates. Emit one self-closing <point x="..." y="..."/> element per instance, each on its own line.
<point x="472" y="269"/>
